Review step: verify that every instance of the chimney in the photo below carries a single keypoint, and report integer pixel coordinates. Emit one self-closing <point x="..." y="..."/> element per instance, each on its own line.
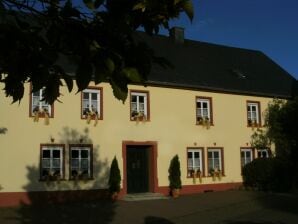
<point x="177" y="34"/>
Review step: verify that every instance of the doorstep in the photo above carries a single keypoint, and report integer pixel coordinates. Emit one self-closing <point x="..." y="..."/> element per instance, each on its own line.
<point x="144" y="196"/>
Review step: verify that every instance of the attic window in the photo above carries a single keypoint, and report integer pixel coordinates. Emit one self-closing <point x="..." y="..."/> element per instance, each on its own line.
<point x="238" y="73"/>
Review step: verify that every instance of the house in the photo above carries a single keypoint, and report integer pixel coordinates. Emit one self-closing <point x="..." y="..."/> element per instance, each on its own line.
<point x="204" y="110"/>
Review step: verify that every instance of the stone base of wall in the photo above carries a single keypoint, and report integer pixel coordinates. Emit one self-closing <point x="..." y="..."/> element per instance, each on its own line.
<point x="201" y="188"/>
<point x="9" y="199"/>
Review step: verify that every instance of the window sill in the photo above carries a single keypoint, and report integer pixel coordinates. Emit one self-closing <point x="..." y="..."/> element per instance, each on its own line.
<point x="81" y="179"/>
<point x="43" y="180"/>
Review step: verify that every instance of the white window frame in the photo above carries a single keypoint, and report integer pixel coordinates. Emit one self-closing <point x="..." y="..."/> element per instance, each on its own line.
<point x="79" y="169"/>
<point x="261" y="151"/>
<point x="138" y="95"/>
<point x="41" y="104"/>
<point x="211" y="166"/>
<point x="51" y="168"/>
<point x="250" y="106"/>
<point x="199" y="111"/>
<point x="244" y="159"/>
<point x="89" y="102"/>
<point x="193" y="167"/>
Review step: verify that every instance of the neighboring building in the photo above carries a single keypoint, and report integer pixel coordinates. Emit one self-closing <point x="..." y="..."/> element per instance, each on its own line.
<point x="204" y="110"/>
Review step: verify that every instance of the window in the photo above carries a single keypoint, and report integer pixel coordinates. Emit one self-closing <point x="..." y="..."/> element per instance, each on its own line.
<point x="263" y="153"/>
<point x="194" y="161"/>
<point x="246" y="156"/>
<point x="39" y="106"/>
<point x="204" y="110"/>
<point x="253" y="114"/>
<point x="80" y="161"/>
<point x="51" y="162"/>
<point x="215" y="160"/>
<point x="92" y="103"/>
<point x="139" y="105"/>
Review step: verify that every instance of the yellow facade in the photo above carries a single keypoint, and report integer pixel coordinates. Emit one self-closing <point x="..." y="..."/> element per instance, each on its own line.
<point x="172" y="126"/>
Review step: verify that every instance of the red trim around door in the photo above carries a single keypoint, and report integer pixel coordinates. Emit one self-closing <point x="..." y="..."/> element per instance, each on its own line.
<point x="153" y="181"/>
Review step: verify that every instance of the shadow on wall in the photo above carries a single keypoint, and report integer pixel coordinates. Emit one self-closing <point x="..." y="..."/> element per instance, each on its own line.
<point x="80" y="204"/>
<point x="3" y="130"/>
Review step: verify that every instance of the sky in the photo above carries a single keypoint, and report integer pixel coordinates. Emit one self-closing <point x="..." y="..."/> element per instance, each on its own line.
<point x="270" y="26"/>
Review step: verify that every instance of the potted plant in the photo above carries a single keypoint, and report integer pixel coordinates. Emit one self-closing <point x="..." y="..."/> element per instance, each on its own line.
<point x="114" y="180"/>
<point x="200" y="120"/>
<point x="175" y="176"/>
<point x="199" y="175"/>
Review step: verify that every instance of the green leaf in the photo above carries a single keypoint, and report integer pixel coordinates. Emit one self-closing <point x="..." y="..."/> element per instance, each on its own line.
<point x="69" y="81"/>
<point x="100" y="73"/>
<point x="83" y="75"/>
<point x="132" y="74"/>
<point x="120" y="89"/>
<point x="187" y="6"/>
<point x="110" y="65"/>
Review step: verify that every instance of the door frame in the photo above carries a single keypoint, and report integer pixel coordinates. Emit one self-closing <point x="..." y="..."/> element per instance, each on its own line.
<point x="152" y="165"/>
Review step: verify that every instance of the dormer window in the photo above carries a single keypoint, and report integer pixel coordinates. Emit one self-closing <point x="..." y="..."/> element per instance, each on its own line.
<point x="204" y="111"/>
<point x="139" y="106"/>
<point x="253" y="114"/>
<point x="92" y="103"/>
<point x="38" y="105"/>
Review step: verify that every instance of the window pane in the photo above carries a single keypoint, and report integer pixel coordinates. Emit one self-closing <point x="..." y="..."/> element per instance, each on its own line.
<point x="75" y="163"/>
<point x="56" y="163"/>
<point x="197" y="163"/>
<point x="36" y="93"/>
<point x="199" y="114"/>
<point x="189" y="155"/>
<point x="74" y="153"/>
<point x="134" y="106"/>
<point x="46" y="163"/>
<point x="216" y="164"/>
<point x="46" y="154"/>
<point x="189" y="162"/>
<point x="84" y="153"/>
<point x="94" y="96"/>
<point x="197" y="154"/>
<point x="86" y="96"/>
<point x="141" y="107"/>
<point x="56" y="153"/>
<point x="134" y="98"/>
<point x="205" y="113"/>
<point x="205" y="105"/>
<point x="199" y="105"/>
<point x="216" y="154"/>
<point x="141" y="99"/>
<point x="210" y="155"/>
<point x="84" y="164"/>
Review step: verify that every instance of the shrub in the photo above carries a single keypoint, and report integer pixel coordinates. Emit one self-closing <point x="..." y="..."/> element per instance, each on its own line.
<point x="267" y="174"/>
<point x="115" y="177"/>
<point x="175" y="173"/>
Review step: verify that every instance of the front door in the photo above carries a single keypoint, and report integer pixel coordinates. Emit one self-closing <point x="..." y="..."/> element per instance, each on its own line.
<point x="137" y="169"/>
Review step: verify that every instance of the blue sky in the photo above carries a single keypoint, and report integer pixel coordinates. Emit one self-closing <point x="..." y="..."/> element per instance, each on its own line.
<point x="270" y="26"/>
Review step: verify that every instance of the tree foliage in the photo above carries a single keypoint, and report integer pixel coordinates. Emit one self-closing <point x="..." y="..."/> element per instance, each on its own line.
<point x="42" y="40"/>
<point x="175" y="173"/>
<point x="115" y="177"/>
<point x="281" y="121"/>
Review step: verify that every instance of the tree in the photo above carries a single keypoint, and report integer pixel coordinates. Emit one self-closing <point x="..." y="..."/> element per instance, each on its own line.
<point x="42" y="40"/>
<point x="281" y="123"/>
<point x="115" y="177"/>
<point x="175" y="173"/>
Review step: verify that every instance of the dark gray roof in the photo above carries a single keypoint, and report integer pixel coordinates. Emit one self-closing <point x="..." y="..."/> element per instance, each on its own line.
<point x="211" y="67"/>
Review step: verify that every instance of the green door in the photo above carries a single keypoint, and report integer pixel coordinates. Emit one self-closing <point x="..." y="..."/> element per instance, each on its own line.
<point x="137" y="169"/>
